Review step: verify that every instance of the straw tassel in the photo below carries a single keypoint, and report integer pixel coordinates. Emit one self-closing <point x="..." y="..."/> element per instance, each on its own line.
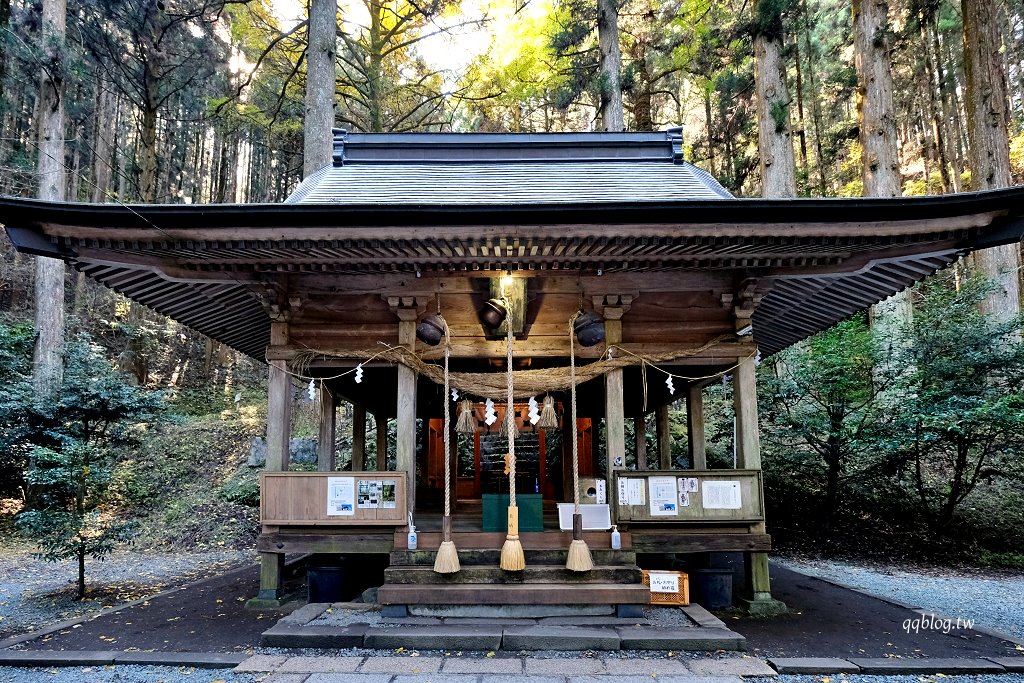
<point x="579" y="559"/>
<point x="447" y="559"/>
<point x="512" y="557"/>
<point x="467" y="421"/>
<point x="548" y="416"/>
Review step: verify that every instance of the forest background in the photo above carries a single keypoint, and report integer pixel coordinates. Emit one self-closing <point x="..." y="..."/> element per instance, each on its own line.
<point x="898" y="433"/>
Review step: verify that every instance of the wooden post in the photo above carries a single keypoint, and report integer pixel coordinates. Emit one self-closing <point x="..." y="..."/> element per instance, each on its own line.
<point x="664" y="438"/>
<point x="614" y="413"/>
<point x="279" y="404"/>
<point x="748" y="439"/>
<point x="325" y="457"/>
<point x="381" y="423"/>
<point x="405" y="437"/>
<point x="358" y="438"/>
<point x="271" y="582"/>
<point x="695" y="427"/>
<point x="640" y="435"/>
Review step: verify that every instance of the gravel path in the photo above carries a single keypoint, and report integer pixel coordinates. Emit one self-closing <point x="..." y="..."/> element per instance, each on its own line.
<point x="992" y="601"/>
<point x="126" y="674"/>
<point x="34" y="593"/>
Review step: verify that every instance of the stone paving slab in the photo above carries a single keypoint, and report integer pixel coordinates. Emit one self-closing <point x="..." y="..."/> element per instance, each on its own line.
<point x="1011" y="664"/>
<point x="813" y="665"/>
<point x="312" y="665"/>
<point x="498" y="678"/>
<point x="648" y="667"/>
<point x="488" y="621"/>
<point x="559" y="638"/>
<point x="686" y="638"/>
<point x="401" y="665"/>
<point x="57" y="657"/>
<point x="260" y="663"/>
<point x="745" y="666"/>
<point x="197" y="660"/>
<point x="412" y="621"/>
<point x="702" y="617"/>
<point x="933" y="665"/>
<point x="445" y="637"/>
<point x="671" y="678"/>
<point x="346" y="678"/>
<point x="475" y="665"/>
<point x="564" y="667"/>
<point x="436" y="678"/>
<point x="306" y="613"/>
<point x="286" y="678"/>
<point x="314" y="636"/>
<point x="591" y="621"/>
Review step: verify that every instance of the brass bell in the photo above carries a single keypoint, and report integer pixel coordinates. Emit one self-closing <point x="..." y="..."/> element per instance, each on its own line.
<point x="589" y="329"/>
<point x="493" y="313"/>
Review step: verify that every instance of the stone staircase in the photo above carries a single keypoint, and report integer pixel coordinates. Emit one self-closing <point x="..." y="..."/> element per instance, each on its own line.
<point x="544" y="588"/>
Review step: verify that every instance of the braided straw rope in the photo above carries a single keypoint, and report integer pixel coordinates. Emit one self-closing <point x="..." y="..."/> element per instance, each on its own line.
<point x="572" y="417"/>
<point x="526" y="382"/>
<point x="510" y="423"/>
<point x="447" y="431"/>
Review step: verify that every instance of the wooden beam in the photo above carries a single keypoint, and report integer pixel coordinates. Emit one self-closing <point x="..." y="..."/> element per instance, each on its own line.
<point x="405" y="439"/>
<point x="279" y="404"/>
<point x="661" y="419"/>
<point x="358" y="438"/>
<point x="748" y="438"/>
<point x="695" y="427"/>
<point x="614" y="410"/>
<point x="325" y="456"/>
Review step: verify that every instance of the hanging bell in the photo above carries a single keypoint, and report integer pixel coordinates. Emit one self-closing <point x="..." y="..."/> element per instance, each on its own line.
<point x="493" y="313"/>
<point x="430" y="330"/>
<point x="589" y="329"/>
<point x="548" y="416"/>
<point x="466" y="424"/>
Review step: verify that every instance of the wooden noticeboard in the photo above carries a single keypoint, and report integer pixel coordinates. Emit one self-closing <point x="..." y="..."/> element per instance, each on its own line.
<point x="301" y="499"/>
<point x="733" y="496"/>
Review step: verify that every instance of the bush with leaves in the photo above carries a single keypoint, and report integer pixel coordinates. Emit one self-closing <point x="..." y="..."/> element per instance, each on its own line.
<point x="68" y="438"/>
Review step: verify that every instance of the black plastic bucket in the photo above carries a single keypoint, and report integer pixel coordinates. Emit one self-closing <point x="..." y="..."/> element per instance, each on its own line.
<point x="327" y="584"/>
<point x="712" y="588"/>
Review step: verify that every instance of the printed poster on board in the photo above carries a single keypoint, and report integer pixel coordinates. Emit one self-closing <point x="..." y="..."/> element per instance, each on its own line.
<point x="341" y="496"/>
<point x="663" y="496"/>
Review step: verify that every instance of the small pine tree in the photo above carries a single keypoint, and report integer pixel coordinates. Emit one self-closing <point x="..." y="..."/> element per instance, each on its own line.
<point x="68" y="438"/>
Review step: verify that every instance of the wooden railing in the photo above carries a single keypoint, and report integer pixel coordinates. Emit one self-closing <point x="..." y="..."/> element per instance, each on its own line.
<point x="333" y="498"/>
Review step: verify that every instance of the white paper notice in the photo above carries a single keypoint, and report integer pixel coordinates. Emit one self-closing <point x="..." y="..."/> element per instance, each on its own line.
<point x="722" y="495"/>
<point x="602" y="492"/>
<point x="684" y="499"/>
<point x="635" y="493"/>
<point x="341" y="496"/>
<point x="664" y="583"/>
<point x="663" y="496"/>
<point x="623" y="491"/>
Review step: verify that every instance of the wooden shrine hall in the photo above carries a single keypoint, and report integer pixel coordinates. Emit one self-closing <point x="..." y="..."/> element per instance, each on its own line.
<point x="507" y="239"/>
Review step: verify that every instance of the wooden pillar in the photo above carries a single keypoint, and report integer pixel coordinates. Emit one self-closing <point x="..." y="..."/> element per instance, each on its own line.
<point x="381" y="423"/>
<point x="279" y="404"/>
<point x="358" y="438"/>
<point x="405" y="428"/>
<point x="614" y="412"/>
<point x="325" y="457"/>
<point x="279" y="419"/>
<point x="748" y="438"/>
<point x="695" y="427"/>
<point x="664" y="438"/>
<point x="640" y="435"/>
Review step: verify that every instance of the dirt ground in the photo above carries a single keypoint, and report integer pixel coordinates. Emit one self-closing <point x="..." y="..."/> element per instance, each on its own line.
<point x="824" y="620"/>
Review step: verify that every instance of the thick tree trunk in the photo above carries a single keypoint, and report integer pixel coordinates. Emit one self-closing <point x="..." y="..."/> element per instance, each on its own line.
<point x="320" y="78"/>
<point x="612" y="116"/>
<point x="148" y="162"/>
<point x="103" y="144"/>
<point x="987" y="121"/>
<point x="774" y="139"/>
<point x="879" y="151"/>
<point x="5" y="18"/>
<point x="47" y="371"/>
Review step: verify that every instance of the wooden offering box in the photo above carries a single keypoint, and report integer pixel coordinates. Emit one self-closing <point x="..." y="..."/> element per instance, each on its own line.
<point x="659" y="597"/>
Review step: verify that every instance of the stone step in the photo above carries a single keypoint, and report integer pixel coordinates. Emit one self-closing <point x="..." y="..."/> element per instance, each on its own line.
<point x="514" y="594"/>
<point x="425" y="574"/>
<point x="491" y="557"/>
